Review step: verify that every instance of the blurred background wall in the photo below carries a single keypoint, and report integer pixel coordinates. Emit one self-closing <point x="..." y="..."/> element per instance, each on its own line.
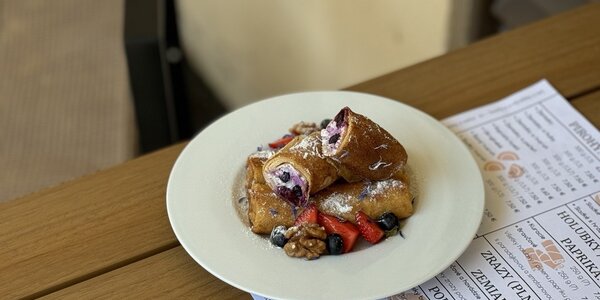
<point x="65" y="107"/>
<point x="74" y="87"/>
<point x="249" y="50"/>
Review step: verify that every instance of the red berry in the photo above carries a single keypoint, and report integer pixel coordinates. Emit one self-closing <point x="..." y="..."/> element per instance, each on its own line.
<point x="346" y="230"/>
<point x="309" y="215"/>
<point x="281" y="142"/>
<point x="369" y="229"/>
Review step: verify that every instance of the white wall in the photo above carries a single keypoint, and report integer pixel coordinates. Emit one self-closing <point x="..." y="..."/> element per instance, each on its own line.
<point x="249" y="50"/>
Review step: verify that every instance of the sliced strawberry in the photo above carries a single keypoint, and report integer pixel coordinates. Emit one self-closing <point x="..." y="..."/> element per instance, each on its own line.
<point x="369" y="229"/>
<point x="281" y="142"/>
<point x="346" y="230"/>
<point x="309" y="215"/>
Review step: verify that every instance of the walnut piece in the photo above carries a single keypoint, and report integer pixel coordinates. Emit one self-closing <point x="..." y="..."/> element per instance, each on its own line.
<point x="304" y="128"/>
<point x="306" y="240"/>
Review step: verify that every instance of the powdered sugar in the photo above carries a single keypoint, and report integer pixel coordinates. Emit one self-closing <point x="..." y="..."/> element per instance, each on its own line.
<point x="309" y="145"/>
<point x="379" y="187"/>
<point x="263" y="154"/>
<point x="379" y="164"/>
<point x="338" y="203"/>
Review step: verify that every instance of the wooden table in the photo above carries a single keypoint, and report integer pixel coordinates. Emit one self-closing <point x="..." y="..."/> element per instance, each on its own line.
<point x="107" y="234"/>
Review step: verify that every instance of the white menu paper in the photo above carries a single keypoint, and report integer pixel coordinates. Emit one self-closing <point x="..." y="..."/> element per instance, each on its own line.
<point x="540" y="233"/>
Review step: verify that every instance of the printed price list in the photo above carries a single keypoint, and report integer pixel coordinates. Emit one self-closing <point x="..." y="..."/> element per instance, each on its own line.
<point x="540" y="233"/>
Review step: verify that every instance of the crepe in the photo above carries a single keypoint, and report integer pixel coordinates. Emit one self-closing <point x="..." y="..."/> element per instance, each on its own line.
<point x="360" y="149"/>
<point x="254" y="166"/>
<point x="299" y="170"/>
<point x="266" y="210"/>
<point x="373" y="198"/>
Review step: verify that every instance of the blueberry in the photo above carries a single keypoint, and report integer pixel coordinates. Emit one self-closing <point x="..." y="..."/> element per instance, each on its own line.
<point x="277" y="237"/>
<point x="289" y="195"/>
<point x="285" y="177"/>
<point x="297" y="191"/>
<point x="388" y="221"/>
<point x="285" y="193"/>
<point x="324" y="123"/>
<point x="334" y="138"/>
<point x="339" y="118"/>
<point x="334" y="244"/>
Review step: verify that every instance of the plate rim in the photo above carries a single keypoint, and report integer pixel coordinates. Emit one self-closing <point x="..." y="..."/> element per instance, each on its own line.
<point x="473" y="165"/>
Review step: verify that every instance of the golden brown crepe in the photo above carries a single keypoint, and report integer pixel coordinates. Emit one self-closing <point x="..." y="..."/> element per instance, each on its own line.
<point x="310" y="171"/>
<point x="374" y="198"/>
<point x="254" y="166"/>
<point x="274" y="199"/>
<point x="266" y="210"/>
<point x="362" y="149"/>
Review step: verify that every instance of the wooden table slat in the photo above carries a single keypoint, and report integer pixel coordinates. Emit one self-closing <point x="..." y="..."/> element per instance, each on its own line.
<point x="88" y="226"/>
<point x="589" y="106"/>
<point x="172" y="274"/>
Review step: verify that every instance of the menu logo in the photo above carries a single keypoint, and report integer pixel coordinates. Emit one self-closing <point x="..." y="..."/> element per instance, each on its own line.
<point x="409" y="295"/>
<point x="508" y="158"/>
<point x="549" y="256"/>
<point x="585" y="136"/>
<point x="597" y="198"/>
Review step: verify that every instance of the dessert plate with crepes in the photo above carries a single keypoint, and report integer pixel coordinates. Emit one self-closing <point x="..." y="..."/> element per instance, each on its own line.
<point x="208" y="179"/>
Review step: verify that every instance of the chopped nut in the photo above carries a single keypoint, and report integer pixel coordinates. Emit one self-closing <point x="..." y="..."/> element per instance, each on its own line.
<point x="304" y="128"/>
<point x="305" y="241"/>
<point x="306" y="229"/>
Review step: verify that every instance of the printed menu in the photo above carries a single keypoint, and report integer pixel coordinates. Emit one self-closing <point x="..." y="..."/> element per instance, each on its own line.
<point x="540" y="233"/>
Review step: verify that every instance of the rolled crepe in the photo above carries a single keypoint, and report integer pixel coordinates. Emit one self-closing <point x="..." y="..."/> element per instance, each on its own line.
<point x="254" y="165"/>
<point x="266" y="210"/>
<point x="299" y="170"/>
<point x="360" y="149"/>
<point x="373" y="198"/>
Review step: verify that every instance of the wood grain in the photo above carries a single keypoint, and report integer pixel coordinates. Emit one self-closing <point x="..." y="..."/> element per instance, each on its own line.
<point x="169" y="275"/>
<point x="110" y="226"/>
<point x="82" y="228"/>
<point x="589" y="106"/>
<point x="564" y="49"/>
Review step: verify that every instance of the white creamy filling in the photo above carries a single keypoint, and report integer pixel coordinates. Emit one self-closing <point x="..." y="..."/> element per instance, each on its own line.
<point x="295" y="177"/>
<point x="326" y="134"/>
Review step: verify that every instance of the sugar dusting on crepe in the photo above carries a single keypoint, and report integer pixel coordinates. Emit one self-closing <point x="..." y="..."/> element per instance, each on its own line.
<point x="240" y="199"/>
<point x="240" y="203"/>
<point x="338" y="203"/>
<point x="309" y="146"/>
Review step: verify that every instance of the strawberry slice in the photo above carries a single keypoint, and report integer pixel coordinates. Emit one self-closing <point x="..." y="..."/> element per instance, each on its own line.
<point x="346" y="230"/>
<point x="309" y="215"/>
<point x="369" y="229"/>
<point x="281" y="142"/>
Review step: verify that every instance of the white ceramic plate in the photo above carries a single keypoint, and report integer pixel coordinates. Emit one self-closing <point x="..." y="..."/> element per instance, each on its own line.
<point x="201" y="204"/>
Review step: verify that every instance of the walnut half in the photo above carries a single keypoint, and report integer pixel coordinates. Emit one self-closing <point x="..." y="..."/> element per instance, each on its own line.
<point x="304" y="128"/>
<point x="306" y="240"/>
